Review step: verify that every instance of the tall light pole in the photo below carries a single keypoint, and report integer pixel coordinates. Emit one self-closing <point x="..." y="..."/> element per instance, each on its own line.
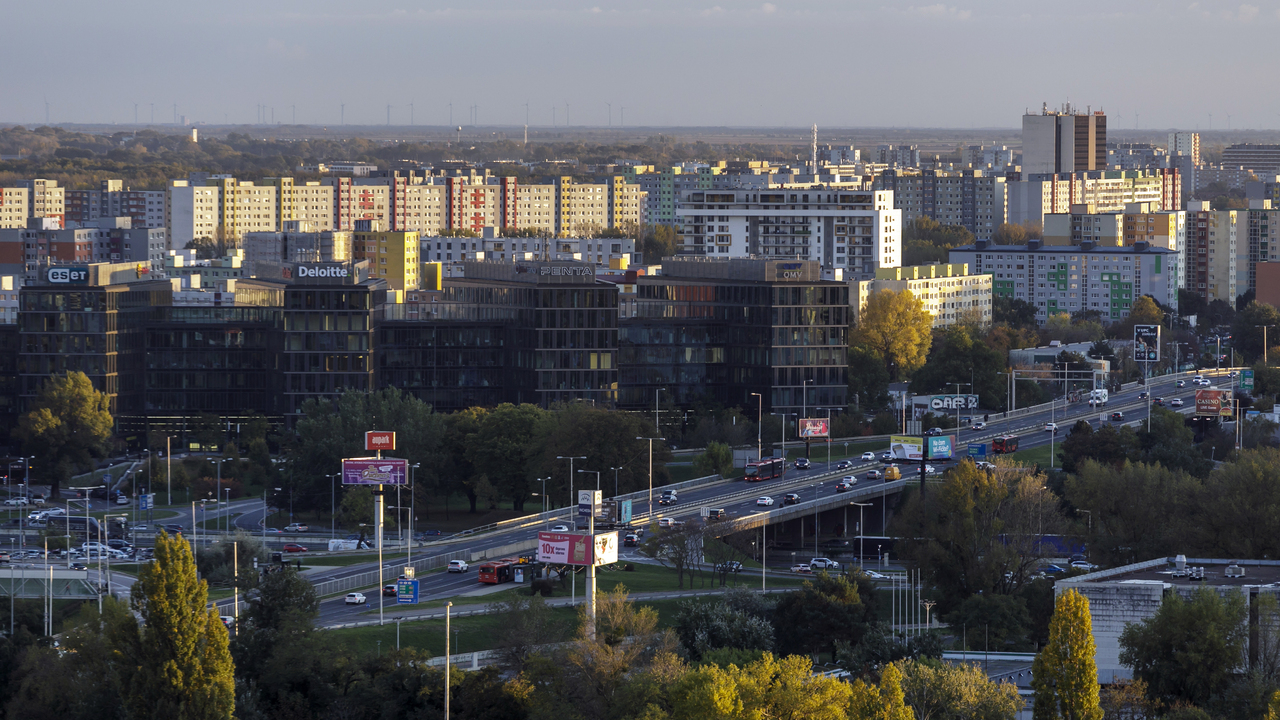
<point x="573" y="499"/>
<point x="650" y="516"/>
<point x="218" y="498"/>
<point x="861" y="531"/>
<point x="804" y="411"/>
<point x="447" y="659"/>
<point x="413" y="503"/>
<point x="1264" y="342"/>
<point x="759" y="418"/>
<point x="168" y="466"/>
<point x="958" y="407"/>
<point x="615" y="480"/>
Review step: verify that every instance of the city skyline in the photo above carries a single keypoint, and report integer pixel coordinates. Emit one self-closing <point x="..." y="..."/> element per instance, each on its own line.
<point x="596" y="64"/>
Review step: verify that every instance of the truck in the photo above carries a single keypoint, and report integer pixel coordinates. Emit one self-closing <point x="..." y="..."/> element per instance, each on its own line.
<point x="1098" y="397"/>
<point x="710" y="514"/>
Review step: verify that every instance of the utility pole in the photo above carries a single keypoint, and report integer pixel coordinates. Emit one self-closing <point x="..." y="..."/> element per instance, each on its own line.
<point x="651" y="472"/>
<point x="573" y="499"/>
<point x="1264" y="342"/>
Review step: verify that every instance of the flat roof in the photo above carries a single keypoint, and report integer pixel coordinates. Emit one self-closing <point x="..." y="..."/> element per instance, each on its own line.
<point x="1256" y="573"/>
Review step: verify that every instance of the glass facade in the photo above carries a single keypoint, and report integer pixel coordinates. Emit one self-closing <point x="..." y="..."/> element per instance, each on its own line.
<point x="328" y="341"/>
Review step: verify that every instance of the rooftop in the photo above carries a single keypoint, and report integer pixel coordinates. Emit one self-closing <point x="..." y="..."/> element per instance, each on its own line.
<point x="1214" y="572"/>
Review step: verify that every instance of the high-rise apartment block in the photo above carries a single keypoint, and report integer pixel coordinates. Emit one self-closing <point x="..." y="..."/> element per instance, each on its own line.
<point x="1261" y="159"/>
<point x="974" y="199"/>
<point x="1258" y="241"/>
<point x="13" y="207"/>
<point x="858" y="230"/>
<point x="392" y="254"/>
<point x="1185" y="144"/>
<point x="1063" y="141"/>
<point x="949" y="292"/>
<point x="1031" y="199"/>
<point x="144" y="208"/>
<point x="1211" y="251"/>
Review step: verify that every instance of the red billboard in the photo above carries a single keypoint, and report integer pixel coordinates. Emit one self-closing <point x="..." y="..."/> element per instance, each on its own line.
<point x="379" y="440"/>
<point x="1213" y="403"/>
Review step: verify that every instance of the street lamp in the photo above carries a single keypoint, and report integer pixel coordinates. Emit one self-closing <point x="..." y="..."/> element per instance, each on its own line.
<point x="861" y="533"/>
<point x="615" y="479"/>
<point x="759" y="418"/>
<point x="650" y="516"/>
<point x="413" y="502"/>
<point x="573" y="499"/>
<point x="804" y="410"/>
<point x="1264" y="344"/>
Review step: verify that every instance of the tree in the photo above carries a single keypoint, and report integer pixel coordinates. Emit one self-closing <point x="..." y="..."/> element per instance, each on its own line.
<point x="869" y="383"/>
<point x="68" y="425"/>
<point x="1062" y="327"/>
<point x="1106" y="445"/>
<point x="678" y="547"/>
<point x="502" y="449"/>
<point x="1064" y="674"/>
<point x="1014" y="311"/>
<point x="823" y="612"/>
<point x="1189" y="649"/>
<point x="527" y="625"/>
<point x="942" y="691"/>
<point x="180" y="663"/>
<point x="895" y="326"/>
<point x="1241" y="502"/>
<point x="1190" y="302"/>
<point x="1247" y="330"/>
<point x="998" y="621"/>
<point x="960" y="356"/>
<point x="661" y="241"/>
<point x="738" y="621"/>
<point x="769" y="688"/>
<point x="717" y="460"/>
<point x="1009" y="234"/>
<point x="1136" y="511"/>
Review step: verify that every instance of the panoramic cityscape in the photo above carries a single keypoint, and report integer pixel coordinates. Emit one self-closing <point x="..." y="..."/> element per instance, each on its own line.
<point x="565" y="384"/>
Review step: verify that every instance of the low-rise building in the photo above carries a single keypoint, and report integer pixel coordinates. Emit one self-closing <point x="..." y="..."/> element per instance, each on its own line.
<point x="949" y="292"/>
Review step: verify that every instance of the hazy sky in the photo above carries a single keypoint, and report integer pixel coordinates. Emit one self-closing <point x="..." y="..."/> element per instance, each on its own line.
<point x="713" y="62"/>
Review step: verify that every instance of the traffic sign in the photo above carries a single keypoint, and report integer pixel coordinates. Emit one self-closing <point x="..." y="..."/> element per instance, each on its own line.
<point x="146" y="501"/>
<point x="407" y="592"/>
<point x="1246" y="380"/>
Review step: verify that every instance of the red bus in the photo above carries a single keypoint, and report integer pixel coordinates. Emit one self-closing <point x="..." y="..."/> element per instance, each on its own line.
<point x="768" y="468"/>
<point x="1005" y="444"/>
<point x="496" y="571"/>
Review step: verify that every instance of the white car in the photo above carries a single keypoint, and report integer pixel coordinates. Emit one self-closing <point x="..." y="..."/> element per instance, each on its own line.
<point x="560" y="528"/>
<point x="16" y="502"/>
<point x="666" y="522"/>
<point x="1051" y="427"/>
<point x="930" y="470"/>
<point x="459" y="566"/>
<point x="765" y="501"/>
<point x="356" y="599"/>
<point x="875" y="575"/>
<point x="979" y="425"/>
<point x="868" y="455"/>
<point x="1176" y="402"/>
<point x="819" y="563"/>
<point x="94" y="546"/>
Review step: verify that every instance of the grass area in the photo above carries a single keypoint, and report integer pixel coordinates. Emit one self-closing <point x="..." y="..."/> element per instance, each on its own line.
<point x="1037" y="455"/>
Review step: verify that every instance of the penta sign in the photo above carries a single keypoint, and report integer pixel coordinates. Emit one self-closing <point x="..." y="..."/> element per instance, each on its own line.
<point x="323" y="271"/>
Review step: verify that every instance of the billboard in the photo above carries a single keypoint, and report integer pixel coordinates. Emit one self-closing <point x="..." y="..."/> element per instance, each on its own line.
<point x="906" y="447"/>
<point x="940" y="447"/>
<point x="921" y="405"/>
<point x="576" y="549"/>
<point x="374" y="471"/>
<point x="1146" y="343"/>
<point x="380" y="440"/>
<point x="814" y="427"/>
<point x="588" y="503"/>
<point x="1213" y="403"/>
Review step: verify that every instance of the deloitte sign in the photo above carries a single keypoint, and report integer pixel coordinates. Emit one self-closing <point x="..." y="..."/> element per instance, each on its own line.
<point x="323" y="271"/>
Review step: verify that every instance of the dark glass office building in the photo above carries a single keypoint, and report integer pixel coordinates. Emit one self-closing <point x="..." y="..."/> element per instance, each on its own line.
<point x="721" y="329"/>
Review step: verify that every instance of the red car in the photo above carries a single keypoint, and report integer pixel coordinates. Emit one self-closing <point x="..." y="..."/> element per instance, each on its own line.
<point x="294" y="547"/>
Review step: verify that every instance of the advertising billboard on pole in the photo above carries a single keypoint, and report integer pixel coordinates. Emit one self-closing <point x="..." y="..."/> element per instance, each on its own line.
<point x="1213" y="403"/>
<point x="379" y="440"/>
<point x="576" y="548"/>
<point x="814" y="428"/>
<point x="941" y="447"/>
<point x="1146" y="343"/>
<point x="375" y="471"/>
<point x="906" y="447"/>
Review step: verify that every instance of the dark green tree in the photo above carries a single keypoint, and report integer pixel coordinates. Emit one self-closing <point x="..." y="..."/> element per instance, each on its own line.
<point x="1247" y="330"/>
<point x="824" y="611"/>
<point x="69" y="424"/>
<point x="1014" y="311"/>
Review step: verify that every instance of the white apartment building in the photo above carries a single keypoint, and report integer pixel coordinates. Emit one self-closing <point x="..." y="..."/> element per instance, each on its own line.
<point x="13" y="207"/>
<point x="1033" y="198"/>
<point x="1070" y="278"/>
<point x="974" y="199"/>
<point x="950" y="294"/>
<point x="1185" y="143"/>
<point x="857" y="230"/>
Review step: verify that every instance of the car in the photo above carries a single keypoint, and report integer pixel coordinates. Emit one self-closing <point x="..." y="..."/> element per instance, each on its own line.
<point x="846" y="464"/>
<point x="892" y="472"/>
<point x="1117" y="416"/>
<point x="278" y="531"/>
<point x="875" y="575"/>
<point x="94" y="546"/>
<point x="296" y="528"/>
<point x="1176" y="402"/>
<point x="874" y="475"/>
<point x="1183" y="383"/>
<point x="820" y="563"/>
<point x="844" y="486"/>
<point x="293" y="548"/>
<point x="631" y="540"/>
<point x="16" y="502"/>
<point x="458" y="566"/>
<point x="933" y="432"/>
<point x="886" y="456"/>
<point x="790" y="499"/>
<point x="424" y="534"/>
<point x="930" y="470"/>
<point x="1198" y="378"/>
<point x="172" y="528"/>
<point x="118" y="544"/>
<point x="666" y="522"/>
<point x="802" y="463"/>
<point x="868" y="455"/>
<point x="731" y="566"/>
<point x="1051" y="427"/>
<point x="667" y="500"/>
<point x="1083" y="565"/>
<point x="560" y="528"/>
<point x="764" y="501"/>
<point x="117" y="554"/>
<point x="1232" y="374"/>
<point x="122" y="499"/>
<point x="1052" y="569"/>
<point x="984" y="465"/>
<point x="1144" y="395"/>
<point x="389" y="590"/>
<point x="980" y="425"/>
<point x="1158" y="401"/>
<point x="801" y="568"/>
<point x="79" y="566"/>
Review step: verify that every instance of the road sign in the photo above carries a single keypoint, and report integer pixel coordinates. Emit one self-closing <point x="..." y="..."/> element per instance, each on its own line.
<point x="1146" y="343"/>
<point x="407" y="592"/>
<point x="374" y="471"/>
<point x="1246" y="380"/>
<point x="977" y="450"/>
<point x="380" y="440"/>
<point x="146" y="501"/>
<point x="588" y="503"/>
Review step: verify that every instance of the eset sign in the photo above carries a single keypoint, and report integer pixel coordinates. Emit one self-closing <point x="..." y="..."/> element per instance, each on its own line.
<point x="380" y="440"/>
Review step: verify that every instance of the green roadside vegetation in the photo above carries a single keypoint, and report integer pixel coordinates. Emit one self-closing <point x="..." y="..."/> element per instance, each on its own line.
<point x="1035" y="456"/>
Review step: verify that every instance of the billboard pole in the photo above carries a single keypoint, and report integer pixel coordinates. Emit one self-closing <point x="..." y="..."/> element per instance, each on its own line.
<point x="591" y="570"/>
